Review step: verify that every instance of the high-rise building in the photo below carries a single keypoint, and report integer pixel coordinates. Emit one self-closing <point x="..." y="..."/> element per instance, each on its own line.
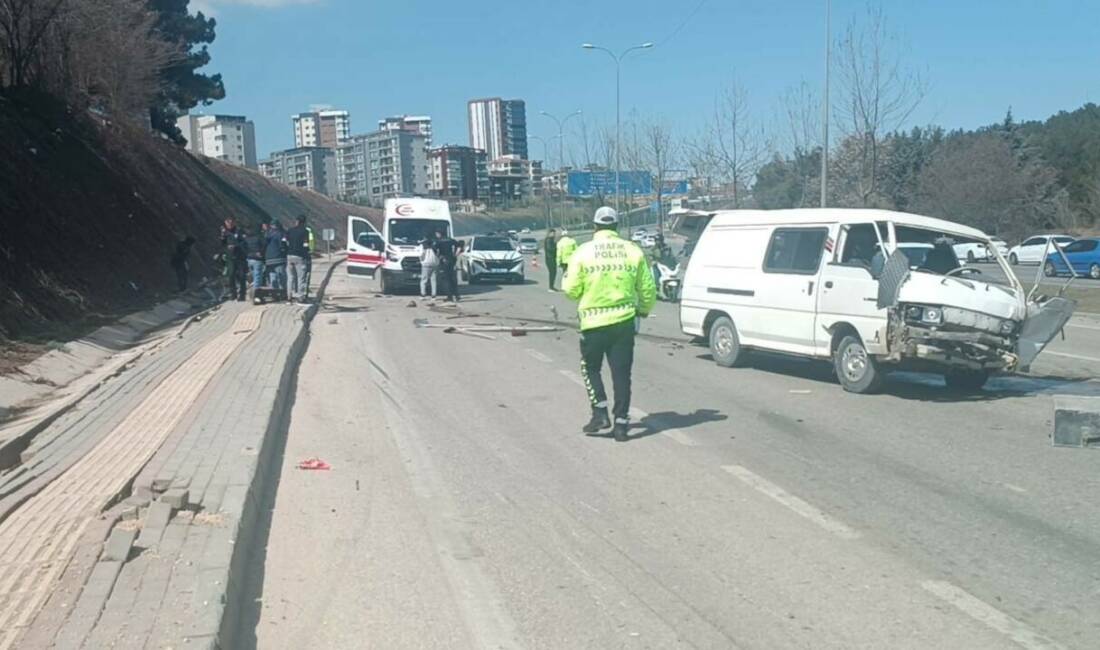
<point x="352" y="180"/>
<point x="458" y="173"/>
<point x="498" y="126"/>
<point x="421" y="124"/>
<point x="515" y="173"/>
<point x="310" y="168"/>
<point x="321" y="128"/>
<point x="231" y="138"/>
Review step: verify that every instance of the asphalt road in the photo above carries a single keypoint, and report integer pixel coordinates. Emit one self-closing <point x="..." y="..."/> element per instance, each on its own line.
<point x="760" y="507"/>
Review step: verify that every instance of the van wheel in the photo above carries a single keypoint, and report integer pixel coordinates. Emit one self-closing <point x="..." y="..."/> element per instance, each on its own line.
<point x="1013" y="260"/>
<point x="856" y="369"/>
<point x="725" y="345"/>
<point x="966" y="380"/>
<point x="385" y="284"/>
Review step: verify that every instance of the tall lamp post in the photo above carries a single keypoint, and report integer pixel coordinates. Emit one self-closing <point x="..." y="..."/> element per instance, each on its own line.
<point x="825" y="108"/>
<point x="561" y="157"/>
<point x="618" y="60"/>
<point x="545" y="192"/>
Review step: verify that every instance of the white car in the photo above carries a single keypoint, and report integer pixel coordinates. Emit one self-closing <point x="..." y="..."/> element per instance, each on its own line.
<point x="649" y="241"/>
<point x="1001" y="246"/>
<point x="1034" y="250"/>
<point x="639" y="235"/>
<point x="528" y="245"/>
<point x="491" y="258"/>
<point x="971" y="252"/>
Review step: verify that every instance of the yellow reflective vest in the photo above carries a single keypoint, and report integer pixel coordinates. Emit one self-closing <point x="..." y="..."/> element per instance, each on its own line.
<point x="566" y="246"/>
<point x="610" y="280"/>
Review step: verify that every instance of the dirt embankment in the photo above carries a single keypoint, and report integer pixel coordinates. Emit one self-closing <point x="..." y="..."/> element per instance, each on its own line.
<point x="90" y="212"/>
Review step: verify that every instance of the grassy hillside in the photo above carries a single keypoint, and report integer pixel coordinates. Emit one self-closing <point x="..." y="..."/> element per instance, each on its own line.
<point x="90" y="212"/>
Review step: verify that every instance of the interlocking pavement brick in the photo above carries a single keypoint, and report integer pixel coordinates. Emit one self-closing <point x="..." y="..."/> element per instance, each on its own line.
<point x="176" y="498"/>
<point x="117" y="548"/>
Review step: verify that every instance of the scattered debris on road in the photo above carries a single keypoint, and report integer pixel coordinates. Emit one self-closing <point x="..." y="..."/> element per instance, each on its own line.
<point x="314" y="463"/>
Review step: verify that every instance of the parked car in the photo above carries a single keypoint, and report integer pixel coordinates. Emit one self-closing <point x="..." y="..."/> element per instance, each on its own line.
<point x="649" y="241"/>
<point x="971" y="251"/>
<point x="639" y="235"/>
<point x="1083" y="256"/>
<point x="528" y="245"/>
<point x="1033" y="249"/>
<point x="491" y="258"/>
<point x="815" y="283"/>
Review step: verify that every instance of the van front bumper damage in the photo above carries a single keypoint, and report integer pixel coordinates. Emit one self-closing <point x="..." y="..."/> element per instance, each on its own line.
<point x="966" y="339"/>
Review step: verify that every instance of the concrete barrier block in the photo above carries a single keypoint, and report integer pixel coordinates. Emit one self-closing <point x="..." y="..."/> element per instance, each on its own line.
<point x="1076" y="421"/>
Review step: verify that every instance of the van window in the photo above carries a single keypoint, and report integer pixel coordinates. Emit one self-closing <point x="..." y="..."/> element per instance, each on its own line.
<point x="860" y="244"/>
<point x="795" y="250"/>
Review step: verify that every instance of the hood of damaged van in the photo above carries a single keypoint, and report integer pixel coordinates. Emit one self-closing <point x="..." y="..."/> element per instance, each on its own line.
<point x="962" y="292"/>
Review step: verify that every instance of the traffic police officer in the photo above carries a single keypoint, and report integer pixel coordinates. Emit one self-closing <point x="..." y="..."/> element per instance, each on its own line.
<point x="566" y="247"/>
<point x="613" y="286"/>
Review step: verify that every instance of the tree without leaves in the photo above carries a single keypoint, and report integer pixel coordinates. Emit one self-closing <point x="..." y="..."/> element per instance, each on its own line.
<point x="739" y="145"/>
<point x="24" y="25"/>
<point x="801" y="112"/>
<point x="877" y="94"/>
<point x="656" y="150"/>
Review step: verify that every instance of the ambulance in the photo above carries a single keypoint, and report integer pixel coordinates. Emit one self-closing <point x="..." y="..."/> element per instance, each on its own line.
<point x="393" y="255"/>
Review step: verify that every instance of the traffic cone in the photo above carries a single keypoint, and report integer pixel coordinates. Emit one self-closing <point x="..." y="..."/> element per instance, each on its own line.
<point x="535" y="262"/>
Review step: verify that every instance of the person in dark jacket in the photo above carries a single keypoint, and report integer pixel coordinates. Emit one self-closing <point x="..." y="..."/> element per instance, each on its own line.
<point x="275" y="256"/>
<point x="180" y="262"/>
<point x="254" y="245"/>
<point x="550" y="245"/>
<point x="297" y="255"/>
<point x="235" y="261"/>
<point x="447" y="250"/>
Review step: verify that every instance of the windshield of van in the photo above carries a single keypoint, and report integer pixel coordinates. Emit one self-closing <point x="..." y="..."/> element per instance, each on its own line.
<point x="491" y="244"/>
<point x="410" y="232"/>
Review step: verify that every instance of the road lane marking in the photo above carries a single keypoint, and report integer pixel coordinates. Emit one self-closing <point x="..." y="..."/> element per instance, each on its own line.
<point x="1072" y="356"/>
<point x="1015" y="488"/>
<point x="538" y="355"/>
<point x="1084" y="327"/>
<point x="792" y="503"/>
<point x="985" y="613"/>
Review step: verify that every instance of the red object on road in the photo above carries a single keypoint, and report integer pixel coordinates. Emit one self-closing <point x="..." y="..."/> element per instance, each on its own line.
<point x="314" y="463"/>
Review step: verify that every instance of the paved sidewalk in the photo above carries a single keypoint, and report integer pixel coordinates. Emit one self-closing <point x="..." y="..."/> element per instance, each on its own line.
<point x="126" y="519"/>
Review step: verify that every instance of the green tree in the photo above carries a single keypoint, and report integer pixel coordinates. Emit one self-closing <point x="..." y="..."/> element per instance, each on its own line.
<point x="182" y="87"/>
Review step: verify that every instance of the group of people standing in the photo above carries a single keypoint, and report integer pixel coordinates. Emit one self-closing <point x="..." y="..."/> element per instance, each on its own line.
<point x="439" y="259"/>
<point x="267" y="256"/>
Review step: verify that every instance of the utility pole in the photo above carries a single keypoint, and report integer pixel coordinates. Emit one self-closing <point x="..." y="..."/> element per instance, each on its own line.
<point x="618" y="140"/>
<point x="561" y="158"/>
<point x="545" y="189"/>
<point x="825" y="109"/>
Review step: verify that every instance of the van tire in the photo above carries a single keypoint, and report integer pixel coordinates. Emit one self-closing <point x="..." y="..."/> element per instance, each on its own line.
<point x="725" y="345"/>
<point x="385" y="283"/>
<point x="967" y="381"/>
<point x="856" y="369"/>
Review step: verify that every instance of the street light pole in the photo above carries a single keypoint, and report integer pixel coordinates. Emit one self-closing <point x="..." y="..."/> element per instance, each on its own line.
<point x="618" y="140"/>
<point x="545" y="192"/>
<point x="825" y="108"/>
<point x="561" y="158"/>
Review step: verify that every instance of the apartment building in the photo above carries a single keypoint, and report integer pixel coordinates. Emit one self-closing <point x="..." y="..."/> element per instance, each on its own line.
<point x="321" y="128"/>
<point x="458" y="173"/>
<point x="421" y="124"/>
<point x="515" y="173"/>
<point x="498" y="126"/>
<point x="230" y="138"/>
<point x="309" y="168"/>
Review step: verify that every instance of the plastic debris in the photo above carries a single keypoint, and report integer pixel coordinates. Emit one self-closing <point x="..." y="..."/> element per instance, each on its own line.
<point x="314" y="463"/>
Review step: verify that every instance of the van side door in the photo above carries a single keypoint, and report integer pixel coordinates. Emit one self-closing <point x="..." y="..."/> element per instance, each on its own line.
<point x="849" y="290"/>
<point x="366" y="248"/>
<point x="787" y="297"/>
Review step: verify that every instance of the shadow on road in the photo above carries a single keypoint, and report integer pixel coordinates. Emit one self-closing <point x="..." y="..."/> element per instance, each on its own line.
<point x="655" y="423"/>
<point x="923" y="387"/>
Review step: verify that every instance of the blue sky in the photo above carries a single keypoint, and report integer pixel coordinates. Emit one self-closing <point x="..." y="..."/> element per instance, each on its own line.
<point x="429" y="57"/>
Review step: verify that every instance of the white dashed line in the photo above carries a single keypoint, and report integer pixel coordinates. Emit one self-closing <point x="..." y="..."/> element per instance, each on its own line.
<point x="1072" y="356"/>
<point x="1083" y="327"/>
<point x="792" y="503"/>
<point x="538" y="355"/>
<point x="983" y="612"/>
<point x="1015" y="488"/>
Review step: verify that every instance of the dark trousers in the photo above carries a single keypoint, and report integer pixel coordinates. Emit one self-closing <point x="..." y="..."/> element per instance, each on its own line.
<point x="181" y="277"/>
<point x="552" y="267"/>
<point x="236" y="279"/>
<point x="450" y="275"/>
<point x="616" y="342"/>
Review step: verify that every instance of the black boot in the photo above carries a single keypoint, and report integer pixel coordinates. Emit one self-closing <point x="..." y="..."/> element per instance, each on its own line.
<point x="599" y="421"/>
<point x="621" y="427"/>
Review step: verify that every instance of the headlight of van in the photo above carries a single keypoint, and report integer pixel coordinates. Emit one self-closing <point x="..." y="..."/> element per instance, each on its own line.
<point x="924" y="315"/>
<point x="391" y="257"/>
<point x="1008" y="326"/>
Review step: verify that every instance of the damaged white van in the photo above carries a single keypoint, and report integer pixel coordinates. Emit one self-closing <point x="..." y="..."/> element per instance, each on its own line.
<point x="872" y="290"/>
